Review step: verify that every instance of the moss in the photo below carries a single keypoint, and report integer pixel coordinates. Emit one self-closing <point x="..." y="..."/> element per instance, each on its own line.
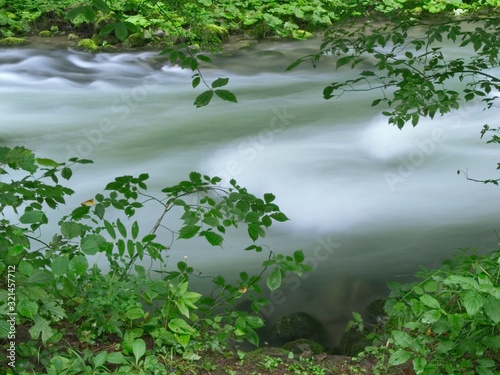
<point x="302" y="34"/>
<point x="304" y="345"/>
<point x="214" y="32"/>
<point x="73" y="37"/>
<point x="135" y="40"/>
<point x="88" y="45"/>
<point x="45" y="33"/>
<point x="12" y="42"/>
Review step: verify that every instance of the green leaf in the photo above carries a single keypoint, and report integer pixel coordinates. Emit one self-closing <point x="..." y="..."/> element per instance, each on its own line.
<point x="27" y="308"/>
<point x="178" y="325"/>
<point x="116" y="358"/>
<point x="31" y="217"/>
<point x="40" y="276"/>
<point x="70" y="230"/>
<point x="101" y="5"/>
<point x="274" y="279"/>
<point x="492" y="309"/>
<point x="279" y="216"/>
<point x="73" y="13"/>
<point x="430" y="301"/>
<point x="60" y="265"/>
<point x="100" y="359"/>
<point x="472" y="302"/>
<point x="402" y="339"/>
<point x="226" y="95"/>
<point x="203" y="99"/>
<point x="41" y="327"/>
<point x="431" y="316"/>
<point x="121" y="31"/>
<point x="135" y="230"/>
<point x="16" y="250"/>
<point x="399" y="357"/>
<point x="139" y="349"/>
<point x="121" y="228"/>
<point x="298" y="256"/>
<point x="91" y="243"/>
<point x="189" y="231"/>
<point x="213" y="238"/>
<point x="134" y="313"/>
<point x="47" y="162"/>
<point x="110" y="229"/>
<point x="220" y="82"/>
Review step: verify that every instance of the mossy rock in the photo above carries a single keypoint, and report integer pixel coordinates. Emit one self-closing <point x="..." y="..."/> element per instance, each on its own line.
<point x="353" y="342"/>
<point x="88" y="45"/>
<point x="298" y="325"/>
<point x="216" y="32"/>
<point x="45" y="33"/>
<point x="13" y="42"/>
<point x="375" y="312"/>
<point x="73" y="37"/>
<point x="135" y="40"/>
<point x="304" y="345"/>
<point x="302" y="34"/>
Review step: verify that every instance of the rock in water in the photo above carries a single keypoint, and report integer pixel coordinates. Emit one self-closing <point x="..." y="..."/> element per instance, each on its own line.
<point x="299" y="325"/>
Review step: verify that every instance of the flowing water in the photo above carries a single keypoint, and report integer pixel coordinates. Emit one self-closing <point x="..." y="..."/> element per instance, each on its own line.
<point x="368" y="203"/>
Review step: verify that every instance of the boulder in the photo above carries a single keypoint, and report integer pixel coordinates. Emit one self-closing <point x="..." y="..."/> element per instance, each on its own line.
<point x="299" y="325"/>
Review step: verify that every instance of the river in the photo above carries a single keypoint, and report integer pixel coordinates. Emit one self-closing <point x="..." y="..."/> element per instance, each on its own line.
<point x="367" y="203"/>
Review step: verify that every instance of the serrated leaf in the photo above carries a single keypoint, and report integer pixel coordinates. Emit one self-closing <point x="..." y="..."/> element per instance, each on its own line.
<point x="101" y="5"/>
<point x="40" y="276"/>
<point x="41" y="327"/>
<point x="16" y="250"/>
<point x="213" y="238"/>
<point x="492" y="310"/>
<point x="472" y="302"/>
<point x="204" y="58"/>
<point x="220" y="82"/>
<point x="226" y="95"/>
<point x="31" y="217"/>
<point x="399" y="357"/>
<point x="71" y="230"/>
<point x="402" y="339"/>
<point x="60" y="265"/>
<point x="78" y="265"/>
<point x="27" y="308"/>
<point x="189" y="231"/>
<point x="203" y="99"/>
<point x="90" y="244"/>
<point x="430" y="301"/>
<point x="273" y="281"/>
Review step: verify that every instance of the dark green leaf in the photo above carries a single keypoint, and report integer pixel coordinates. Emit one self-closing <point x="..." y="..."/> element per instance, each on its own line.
<point x="121" y="31"/>
<point x="220" y="82"/>
<point x="189" y="231"/>
<point x="226" y="95"/>
<point x="203" y="99"/>
<point x="31" y="217"/>
<point x="213" y="238"/>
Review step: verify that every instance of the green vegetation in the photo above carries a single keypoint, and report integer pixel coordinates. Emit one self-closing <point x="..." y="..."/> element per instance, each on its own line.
<point x="448" y="323"/>
<point x="55" y="302"/>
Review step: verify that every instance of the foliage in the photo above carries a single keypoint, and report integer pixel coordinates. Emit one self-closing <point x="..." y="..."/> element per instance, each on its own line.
<point x="448" y="323"/>
<point x="59" y="296"/>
